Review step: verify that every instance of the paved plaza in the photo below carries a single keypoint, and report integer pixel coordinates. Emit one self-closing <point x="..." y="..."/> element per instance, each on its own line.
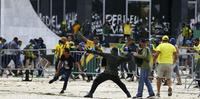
<point x="14" y="88"/>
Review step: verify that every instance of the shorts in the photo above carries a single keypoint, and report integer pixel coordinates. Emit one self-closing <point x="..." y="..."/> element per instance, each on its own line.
<point x="164" y="71"/>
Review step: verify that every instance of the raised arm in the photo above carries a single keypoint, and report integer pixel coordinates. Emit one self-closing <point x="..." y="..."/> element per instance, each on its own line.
<point x="82" y="37"/>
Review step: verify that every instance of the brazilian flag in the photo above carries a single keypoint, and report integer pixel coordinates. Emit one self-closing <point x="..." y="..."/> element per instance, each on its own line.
<point x="90" y="62"/>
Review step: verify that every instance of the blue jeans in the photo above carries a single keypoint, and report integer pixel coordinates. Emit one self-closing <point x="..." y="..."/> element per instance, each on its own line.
<point x="144" y="79"/>
<point x="65" y="73"/>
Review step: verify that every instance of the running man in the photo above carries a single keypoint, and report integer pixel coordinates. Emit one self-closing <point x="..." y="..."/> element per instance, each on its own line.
<point x="65" y="65"/>
<point x="166" y="55"/>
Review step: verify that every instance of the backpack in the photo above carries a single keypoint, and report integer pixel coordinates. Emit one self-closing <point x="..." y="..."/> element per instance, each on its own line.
<point x="28" y="52"/>
<point x="139" y="61"/>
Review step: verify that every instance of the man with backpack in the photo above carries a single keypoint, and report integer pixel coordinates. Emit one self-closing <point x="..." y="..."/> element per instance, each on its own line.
<point x="145" y="69"/>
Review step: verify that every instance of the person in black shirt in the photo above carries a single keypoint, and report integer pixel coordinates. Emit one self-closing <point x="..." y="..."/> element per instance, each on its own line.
<point x="64" y="68"/>
<point x="111" y="71"/>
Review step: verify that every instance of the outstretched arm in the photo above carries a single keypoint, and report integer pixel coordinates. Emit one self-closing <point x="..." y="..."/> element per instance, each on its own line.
<point x="126" y="58"/>
<point x="99" y="53"/>
<point x="82" y="37"/>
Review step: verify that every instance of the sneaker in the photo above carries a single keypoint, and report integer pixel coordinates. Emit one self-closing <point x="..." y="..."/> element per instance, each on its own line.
<point x="169" y="91"/>
<point x="88" y="96"/>
<point x="51" y="81"/>
<point x="129" y="79"/>
<point x="158" y="94"/>
<point x="62" y="91"/>
<point x="137" y="97"/>
<point x="165" y="83"/>
<point x="196" y="86"/>
<point x="151" y="96"/>
<point x="128" y="95"/>
<point x="88" y="80"/>
<point x="178" y="83"/>
<point x="122" y="77"/>
<point x="61" y="79"/>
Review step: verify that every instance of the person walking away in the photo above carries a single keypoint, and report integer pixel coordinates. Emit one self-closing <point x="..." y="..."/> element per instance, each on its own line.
<point x="166" y="55"/>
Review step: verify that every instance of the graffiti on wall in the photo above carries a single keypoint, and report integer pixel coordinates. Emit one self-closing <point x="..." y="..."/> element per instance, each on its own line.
<point x="117" y="20"/>
<point x="49" y="21"/>
<point x="96" y="24"/>
<point x="70" y="19"/>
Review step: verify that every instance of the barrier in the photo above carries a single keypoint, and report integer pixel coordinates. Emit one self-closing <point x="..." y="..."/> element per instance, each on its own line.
<point x="34" y="62"/>
<point x="26" y="61"/>
<point x="188" y="63"/>
<point x="19" y="61"/>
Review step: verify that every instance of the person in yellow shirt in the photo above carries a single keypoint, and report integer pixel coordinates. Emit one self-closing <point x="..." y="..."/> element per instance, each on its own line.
<point x="57" y="52"/>
<point x="71" y="43"/>
<point x="127" y="30"/>
<point x="62" y="44"/>
<point x="186" y="33"/>
<point x="166" y="56"/>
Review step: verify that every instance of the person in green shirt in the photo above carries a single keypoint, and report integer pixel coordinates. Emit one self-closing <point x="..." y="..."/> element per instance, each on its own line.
<point x="145" y="69"/>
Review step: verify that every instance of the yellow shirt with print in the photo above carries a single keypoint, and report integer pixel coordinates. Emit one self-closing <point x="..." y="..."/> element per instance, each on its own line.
<point x="66" y="45"/>
<point x="166" y="53"/>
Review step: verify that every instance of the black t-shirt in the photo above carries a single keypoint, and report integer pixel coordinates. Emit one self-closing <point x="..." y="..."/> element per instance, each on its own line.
<point x="67" y="63"/>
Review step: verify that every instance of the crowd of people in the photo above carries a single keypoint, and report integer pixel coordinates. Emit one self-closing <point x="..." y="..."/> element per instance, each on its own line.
<point x="128" y="59"/>
<point x="161" y="57"/>
<point x="12" y="51"/>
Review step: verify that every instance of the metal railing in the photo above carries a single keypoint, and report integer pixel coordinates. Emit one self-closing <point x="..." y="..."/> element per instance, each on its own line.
<point x="41" y="62"/>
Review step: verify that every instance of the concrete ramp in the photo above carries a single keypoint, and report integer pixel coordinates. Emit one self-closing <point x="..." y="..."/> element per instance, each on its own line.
<point x="18" y="19"/>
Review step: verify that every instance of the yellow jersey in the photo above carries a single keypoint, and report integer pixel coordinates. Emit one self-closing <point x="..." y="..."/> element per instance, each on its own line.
<point x="166" y="53"/>
<point x="58" y="49"/>
<point x="66" y="45"/>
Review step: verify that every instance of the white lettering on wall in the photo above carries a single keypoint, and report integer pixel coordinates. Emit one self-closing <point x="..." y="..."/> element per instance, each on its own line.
<point x="116" y="21"/>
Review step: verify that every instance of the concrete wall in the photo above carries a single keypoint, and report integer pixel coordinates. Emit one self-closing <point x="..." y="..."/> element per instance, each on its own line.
<point x="18" y="19"/>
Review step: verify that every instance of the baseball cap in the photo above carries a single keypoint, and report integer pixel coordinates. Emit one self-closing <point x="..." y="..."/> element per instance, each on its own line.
<point x="165" y="37"/>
